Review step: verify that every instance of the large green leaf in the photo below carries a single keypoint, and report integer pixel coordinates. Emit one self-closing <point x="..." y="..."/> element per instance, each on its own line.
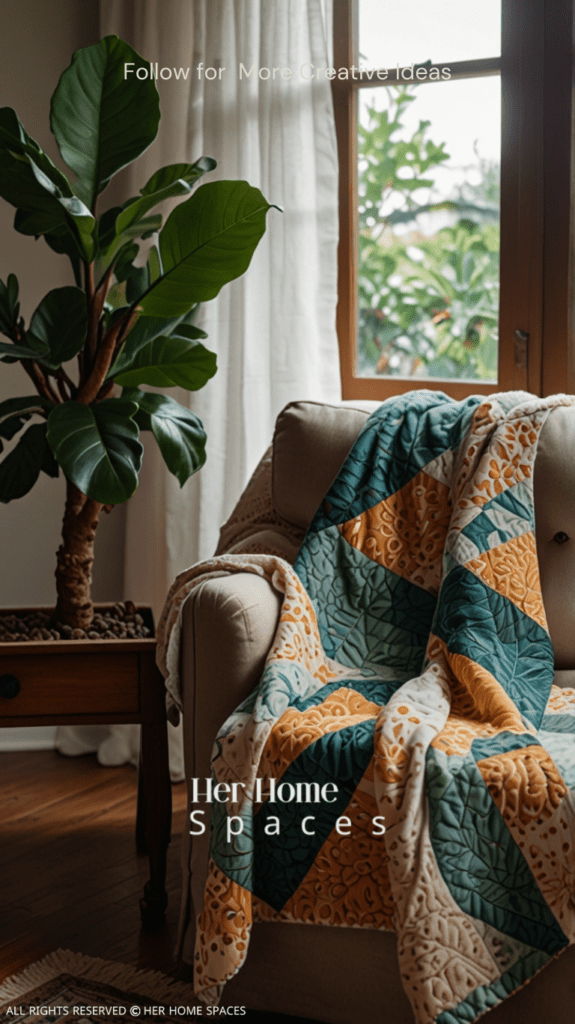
<point x="143" y="331"/>
<point x="206" y="242"/>
<point x="10" y="426"/>
<point x="14" y="139"/>
<point x="147" y="328"/>
<point x="188" y="321"/>
<point x="20" y="469"/>
<point x="116" y="297"/>
<point x="106" y="227"/>
<point x="97" y="447"/>
<point x="24" y="403"/>
<point x="154" y="265"/>
<point x="136" y="281"/>
<point x="180" y="434"/>
<point x="15" y="412"/>
<point x="75" y="227"/>
<point x="9" y="305"/>
<point x="42" y="195"/>
<point x="188" y="331"/>
<point x="62" y="242"/>
<point x="103" y="118"/>
<point x="113" y="251"/>
<point x="124" y="261"/>
<point x="185" y="174"/>
<point x="49" y="465"/>
<point x="10" y="353"/>
<point x="59" y="325"/>
<point x="167" y="363"/>
<point x="167" y="183"/>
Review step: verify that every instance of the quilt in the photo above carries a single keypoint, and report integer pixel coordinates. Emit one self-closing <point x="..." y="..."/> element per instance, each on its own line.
<point x="406" y="762"/>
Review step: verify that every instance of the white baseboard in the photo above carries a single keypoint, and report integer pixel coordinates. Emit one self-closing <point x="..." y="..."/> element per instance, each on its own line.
<point x="39" y="737"/>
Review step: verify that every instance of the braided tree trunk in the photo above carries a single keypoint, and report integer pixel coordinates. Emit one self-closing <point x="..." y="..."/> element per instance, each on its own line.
<point x="74" y="560"/>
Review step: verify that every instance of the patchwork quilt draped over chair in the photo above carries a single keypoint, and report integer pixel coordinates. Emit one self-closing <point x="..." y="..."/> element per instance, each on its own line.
<point x="411" y="678"/>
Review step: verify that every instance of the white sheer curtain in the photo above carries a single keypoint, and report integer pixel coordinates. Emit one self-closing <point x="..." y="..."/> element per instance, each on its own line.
<point x="274" y="329"/>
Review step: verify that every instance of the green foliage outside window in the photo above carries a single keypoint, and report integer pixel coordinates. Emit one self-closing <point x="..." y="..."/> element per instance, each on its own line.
<point x="428" y="304"/>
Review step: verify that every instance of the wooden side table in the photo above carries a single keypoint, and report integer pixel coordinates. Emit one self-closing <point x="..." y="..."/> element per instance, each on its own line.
<point x="101" y="682"/>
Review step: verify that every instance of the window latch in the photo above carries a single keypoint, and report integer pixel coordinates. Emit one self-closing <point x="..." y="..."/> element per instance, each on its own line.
<point x="521" y="349"/>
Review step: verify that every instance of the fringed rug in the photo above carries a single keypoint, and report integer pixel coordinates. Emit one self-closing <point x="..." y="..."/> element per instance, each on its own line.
<point x="73" y="987"/>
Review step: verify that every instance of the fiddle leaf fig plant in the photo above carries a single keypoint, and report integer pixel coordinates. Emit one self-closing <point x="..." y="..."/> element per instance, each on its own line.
<point x="127" y="321"/>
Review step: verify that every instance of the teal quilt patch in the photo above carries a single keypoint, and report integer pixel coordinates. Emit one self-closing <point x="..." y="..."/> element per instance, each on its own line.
<point x="479" y="860"/>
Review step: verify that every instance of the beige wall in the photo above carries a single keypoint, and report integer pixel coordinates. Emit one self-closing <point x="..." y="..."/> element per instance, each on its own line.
<point x="37" y="39"/>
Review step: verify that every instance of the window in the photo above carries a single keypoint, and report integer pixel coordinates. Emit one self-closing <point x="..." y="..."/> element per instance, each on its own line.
<point x="429" y="295"/>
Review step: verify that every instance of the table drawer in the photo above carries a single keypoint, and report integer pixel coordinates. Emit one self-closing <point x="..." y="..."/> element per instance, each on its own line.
<point x="71" y="684"/>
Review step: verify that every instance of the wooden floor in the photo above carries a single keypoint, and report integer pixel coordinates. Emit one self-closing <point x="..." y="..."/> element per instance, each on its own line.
<point x="70" y="876"/>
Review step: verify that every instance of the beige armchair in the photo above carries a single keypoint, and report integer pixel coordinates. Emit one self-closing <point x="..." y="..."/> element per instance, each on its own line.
<point x="326" y="974"/>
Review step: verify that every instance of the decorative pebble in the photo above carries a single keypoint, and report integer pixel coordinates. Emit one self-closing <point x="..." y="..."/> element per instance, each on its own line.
<point x="115" y="623"/>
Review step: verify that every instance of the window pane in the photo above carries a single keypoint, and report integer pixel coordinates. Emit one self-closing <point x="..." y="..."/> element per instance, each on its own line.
<point x="428" y="267"/>
<point x="405" y="32"/>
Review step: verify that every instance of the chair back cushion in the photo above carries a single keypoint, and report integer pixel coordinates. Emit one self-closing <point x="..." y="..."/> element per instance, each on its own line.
<point x="311" y="441"/>
<point x="554" y="491"/>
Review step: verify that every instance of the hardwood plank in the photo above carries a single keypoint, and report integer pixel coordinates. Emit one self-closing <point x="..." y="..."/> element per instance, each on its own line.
<point x="113" y="856"/>
<point x="70" y="873"/>
<point x="108" y="846"/>
<point x="76" y="798"/>
<point x="19" y="766"/>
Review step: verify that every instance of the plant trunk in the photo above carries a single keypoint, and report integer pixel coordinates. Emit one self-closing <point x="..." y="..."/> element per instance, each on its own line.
<point x="74" y="560"/>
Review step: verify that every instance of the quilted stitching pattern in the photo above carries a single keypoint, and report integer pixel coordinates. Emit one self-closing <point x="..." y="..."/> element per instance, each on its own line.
<point x="415" y="678"/>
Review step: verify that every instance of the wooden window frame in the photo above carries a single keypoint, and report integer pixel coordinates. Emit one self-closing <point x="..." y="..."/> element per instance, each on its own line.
<point x="537" y="320"/>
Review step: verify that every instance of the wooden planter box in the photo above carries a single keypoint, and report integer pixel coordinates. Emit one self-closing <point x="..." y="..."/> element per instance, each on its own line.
<point x="88" y="682"/>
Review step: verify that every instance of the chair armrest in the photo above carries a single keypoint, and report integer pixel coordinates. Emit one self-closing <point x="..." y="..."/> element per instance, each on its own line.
<point x="228" y="627"/>
<point x="227" y="630"/>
